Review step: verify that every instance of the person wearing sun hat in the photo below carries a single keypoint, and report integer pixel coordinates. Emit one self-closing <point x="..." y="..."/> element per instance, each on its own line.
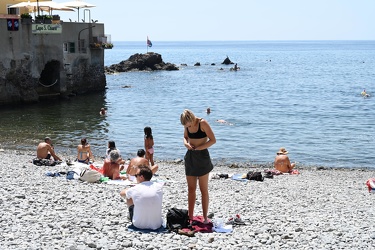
<point x="282" y="162"/>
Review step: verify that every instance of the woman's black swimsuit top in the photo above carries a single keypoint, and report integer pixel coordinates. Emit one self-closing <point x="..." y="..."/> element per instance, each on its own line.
<point x="197" y="135"/>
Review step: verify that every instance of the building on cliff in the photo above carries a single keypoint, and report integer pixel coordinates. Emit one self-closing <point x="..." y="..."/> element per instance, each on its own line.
<point x="47" y="57"/>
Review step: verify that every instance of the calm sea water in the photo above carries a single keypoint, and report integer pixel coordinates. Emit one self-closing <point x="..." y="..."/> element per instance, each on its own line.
<point x="304" y="96"/>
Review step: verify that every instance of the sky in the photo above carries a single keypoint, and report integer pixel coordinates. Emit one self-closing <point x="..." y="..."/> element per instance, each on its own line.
<point x="240" y="20"/>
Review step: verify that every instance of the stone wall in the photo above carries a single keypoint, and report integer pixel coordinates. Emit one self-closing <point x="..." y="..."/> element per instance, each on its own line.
<point x="35" y="66"/>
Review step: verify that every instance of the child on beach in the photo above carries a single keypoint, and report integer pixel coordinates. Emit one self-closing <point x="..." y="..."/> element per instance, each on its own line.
<point x="149" y="145"/>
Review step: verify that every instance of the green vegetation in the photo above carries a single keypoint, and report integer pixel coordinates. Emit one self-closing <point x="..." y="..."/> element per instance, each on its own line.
<point x="26" y="15"/>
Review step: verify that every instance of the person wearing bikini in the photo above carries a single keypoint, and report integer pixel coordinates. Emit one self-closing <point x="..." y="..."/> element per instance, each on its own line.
<point x="84" y="153"/>
<point x="149" y="145"/>
<point x="198" y="137"/>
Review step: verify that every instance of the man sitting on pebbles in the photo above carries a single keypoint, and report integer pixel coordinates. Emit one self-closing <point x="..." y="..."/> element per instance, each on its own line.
<point x="144" y="200"/>
<point x="140" y="160"/>
<point x="45" y="150"/>
<point x="282" y="162"/>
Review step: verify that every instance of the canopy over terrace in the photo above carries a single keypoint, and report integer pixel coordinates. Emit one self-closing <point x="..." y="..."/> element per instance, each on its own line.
<point x="44" y="6"/>
<point x="77" y="4"/>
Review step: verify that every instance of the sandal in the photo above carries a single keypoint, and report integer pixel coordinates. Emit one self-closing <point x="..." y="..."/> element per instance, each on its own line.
<point x="189" y="233"/>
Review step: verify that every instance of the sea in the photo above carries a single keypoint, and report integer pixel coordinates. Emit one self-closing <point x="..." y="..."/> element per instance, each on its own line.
<point x="301" y="95"/>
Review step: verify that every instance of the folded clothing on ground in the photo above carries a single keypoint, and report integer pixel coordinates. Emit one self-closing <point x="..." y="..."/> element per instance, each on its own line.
<point x="198" y="225"/>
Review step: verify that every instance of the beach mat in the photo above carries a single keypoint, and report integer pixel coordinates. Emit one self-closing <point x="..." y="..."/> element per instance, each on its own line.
<point x="160" y="230"/>
<point x="238" y="177"/>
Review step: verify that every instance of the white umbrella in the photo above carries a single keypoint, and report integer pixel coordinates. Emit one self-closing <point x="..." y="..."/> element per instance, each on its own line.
<point x="44" y="5"/>
<point x="23" y="5"/>
<point x="50" y="6"/>
<point x="77" y="4"/>
<point x="31" y="6"/>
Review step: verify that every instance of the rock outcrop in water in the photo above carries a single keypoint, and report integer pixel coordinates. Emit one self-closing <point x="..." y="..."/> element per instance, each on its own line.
<point x="141" y="62"/>
<point x="227" y="61"/>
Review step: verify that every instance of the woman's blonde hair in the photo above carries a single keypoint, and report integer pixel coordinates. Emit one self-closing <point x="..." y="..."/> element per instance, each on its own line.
<point x="187" y="116"/>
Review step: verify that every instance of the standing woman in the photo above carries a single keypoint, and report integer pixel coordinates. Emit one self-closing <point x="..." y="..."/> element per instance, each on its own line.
<point x="198" y="136"/>
<point x="149" y="145"/>
<point x="84" y="152"/>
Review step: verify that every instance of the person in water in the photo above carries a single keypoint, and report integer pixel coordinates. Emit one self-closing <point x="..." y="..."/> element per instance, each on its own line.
<point x="84" y="153"/>
<point x="102" y="111"/>
<point x="282" y="162"/>
<point x="364" y="94"/>
<point x="198" y="137"/>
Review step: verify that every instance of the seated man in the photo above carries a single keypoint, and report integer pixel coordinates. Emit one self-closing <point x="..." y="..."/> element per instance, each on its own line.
<point x="45" y="150"/>
<point x="112" y="168"/>
<point x="282" y="162"/>
<point x="139" y="161"/>
<point x="144" y="200"/>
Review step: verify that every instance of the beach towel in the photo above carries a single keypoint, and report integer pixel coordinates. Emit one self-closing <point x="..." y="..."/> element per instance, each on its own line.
<point x="160" y="230"/>
<point x="223" y="229"/>
<point x="294" y="171"/>
<point x="198" y="225"/>
<point x="239" y="177"/>
<point x="45" y="162"/>
<point x="120" y="182"/>
<point x="99" y="169"/>
<point x="272" y="172"/>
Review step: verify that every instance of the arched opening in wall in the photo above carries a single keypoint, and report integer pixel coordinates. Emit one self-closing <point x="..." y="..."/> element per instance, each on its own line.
<point x="50" y="76"/>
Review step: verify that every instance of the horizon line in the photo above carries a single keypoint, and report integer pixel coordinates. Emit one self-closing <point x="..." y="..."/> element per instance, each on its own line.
<point x="281" y="40"/>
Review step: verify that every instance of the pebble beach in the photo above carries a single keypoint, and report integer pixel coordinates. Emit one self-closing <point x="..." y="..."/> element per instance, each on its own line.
<point x="321" y="208"/>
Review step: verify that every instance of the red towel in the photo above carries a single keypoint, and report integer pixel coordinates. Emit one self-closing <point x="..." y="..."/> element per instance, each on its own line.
<point x="199" y="226"/>
<point x="100" y="170"/>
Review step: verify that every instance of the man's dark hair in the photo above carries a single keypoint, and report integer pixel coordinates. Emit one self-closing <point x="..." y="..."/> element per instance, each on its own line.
<point x="47" y="139"/>
<point x="146" y="172"/>
<point x="141" y="153"/>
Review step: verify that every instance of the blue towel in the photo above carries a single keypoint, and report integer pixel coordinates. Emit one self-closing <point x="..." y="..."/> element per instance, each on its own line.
<point x="57" y="174"/>
<point x="238" y="177"/>
<point x="160" y="230"/>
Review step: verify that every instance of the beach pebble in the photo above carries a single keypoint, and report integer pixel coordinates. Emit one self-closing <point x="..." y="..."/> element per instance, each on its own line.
<point x="312" y="210"/>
